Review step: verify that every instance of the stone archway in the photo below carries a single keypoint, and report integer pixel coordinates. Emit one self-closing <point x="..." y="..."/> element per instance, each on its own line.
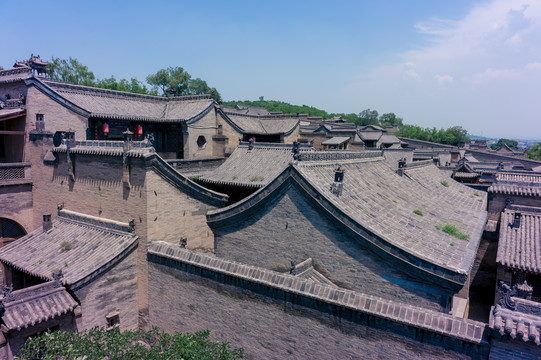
<point x="10" y="231"/>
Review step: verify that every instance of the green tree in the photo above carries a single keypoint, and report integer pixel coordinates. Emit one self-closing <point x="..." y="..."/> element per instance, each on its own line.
<point x="513" y="144"/>
<point x="390" y="119"/>
<point x="71" y="71"/>
<point x="534" y="152"/>
<point x="456" y="135"/>
<point x="200" y="87"/>
<point x="133" y="85"/>
<point x="174" y="81"/>
<point x="368" y="117"/>
<point x="115" y="345"/>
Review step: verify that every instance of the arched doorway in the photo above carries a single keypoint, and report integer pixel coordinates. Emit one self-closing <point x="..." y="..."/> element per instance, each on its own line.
<point x="10" y="231"/>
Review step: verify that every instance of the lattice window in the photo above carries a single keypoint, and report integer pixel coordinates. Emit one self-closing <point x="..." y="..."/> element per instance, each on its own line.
<point x="12" y="173"/>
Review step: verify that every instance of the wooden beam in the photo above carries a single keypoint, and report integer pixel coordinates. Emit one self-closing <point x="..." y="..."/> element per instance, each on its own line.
<point x="9" y="132"/>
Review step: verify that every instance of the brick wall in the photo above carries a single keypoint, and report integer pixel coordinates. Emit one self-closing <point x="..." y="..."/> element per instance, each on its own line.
<point x="115" y="290"/>
<point x="294" y="136"/>
<point x="230" y="132"/>
<point x="14" y="90"/>
<point x="507" y="349"/>
<point x="291" y="229"/>
<point x="16" y="204"/>
<point x="161" y="211"/>
<point x="496" y="203"/>
<point x="207" y="127"/>
<point x="271" y="324"/>
<point x="56" y="117"/>
<point x="172" y="215"/>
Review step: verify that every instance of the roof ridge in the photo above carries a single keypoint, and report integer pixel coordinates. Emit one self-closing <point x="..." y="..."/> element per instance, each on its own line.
<point x="96" y="91"/>
<point x="20" y="70"/>
<point x="94" y="221"/>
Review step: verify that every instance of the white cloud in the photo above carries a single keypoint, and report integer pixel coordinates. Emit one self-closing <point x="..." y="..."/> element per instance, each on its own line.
<point x="485" y="66"/>
<point x="443" y="79"/>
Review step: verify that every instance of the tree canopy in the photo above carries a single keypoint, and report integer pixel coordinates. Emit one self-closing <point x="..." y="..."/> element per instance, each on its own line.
<point x="72" y="71"/>
<point x="534" y="152"/>
<point x="513" y="144"/>
<point x="115" y="345"/>
<point x="456" y="135"/>
<point x="175" y="81"/>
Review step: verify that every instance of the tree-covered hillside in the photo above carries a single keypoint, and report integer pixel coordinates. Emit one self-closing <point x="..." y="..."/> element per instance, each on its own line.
<point x="365" y="117"/>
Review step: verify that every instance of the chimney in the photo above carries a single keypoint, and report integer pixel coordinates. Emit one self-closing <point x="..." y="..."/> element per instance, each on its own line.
<point x="338" y="184"/>
<point x="338" y="174"/>
<point x="516" y="220"/>
<point x="47" y="224"/>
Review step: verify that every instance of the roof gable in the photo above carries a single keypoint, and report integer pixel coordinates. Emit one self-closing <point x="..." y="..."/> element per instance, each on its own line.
<point x="519" y="246"/>
<point x="261" y="125"/>
<point x="36" y="304"/>
<point x="110" y="104"/>
<point x="251" y="166"/>
<point x="378" y="219"/>
<point x="79" y="245"/>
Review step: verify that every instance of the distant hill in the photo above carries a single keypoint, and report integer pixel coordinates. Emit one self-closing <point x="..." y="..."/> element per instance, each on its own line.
<point x="286" y="108"/>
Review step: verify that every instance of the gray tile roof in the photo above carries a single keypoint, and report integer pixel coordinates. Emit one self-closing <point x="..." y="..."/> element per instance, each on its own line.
<point x="519" y="248"/>
<point x="523" y="178"/>
<point x="11" y="113"/>
<point x="518" y="183"/>
<point x="370" y="135"/>
<point x="337" y="140"/>
<point x="371" y="128"/>
<point x="249" y="124"/>
<point x="79" y="245"/>
<point x="389" y="139"/>
<point x="110" y="104"/>
<point x="36" y="304"/>
<point x="466" y="175"/>
<point x="523" y="323"/>
<point x="383" y="203"/>
<point x="246" y="109"/>
<point x="417" y="317"/>
<point x="431" y="178"/>
<point x="515" y="190"/>
<point x="13" y="75"/>
<point x="251" y="168"/>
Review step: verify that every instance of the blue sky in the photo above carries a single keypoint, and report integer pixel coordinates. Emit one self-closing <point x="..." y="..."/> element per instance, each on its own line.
<point x="476" y="64"/>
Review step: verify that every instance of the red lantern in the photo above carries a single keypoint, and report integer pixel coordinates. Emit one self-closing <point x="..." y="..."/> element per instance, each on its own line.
<point x="138" y="130"/>
<point x="105" y="128"/>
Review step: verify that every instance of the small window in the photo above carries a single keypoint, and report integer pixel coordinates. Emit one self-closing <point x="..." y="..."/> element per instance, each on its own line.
<point x="201" y="141"/>
<point x="40" y="124"/>
<point x="113" y="320"/>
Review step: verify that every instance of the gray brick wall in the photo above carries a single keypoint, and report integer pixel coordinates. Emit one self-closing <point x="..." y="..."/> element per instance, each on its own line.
<point x="269" y="325"/>
<point x="115" y="290"/>
<point x="507" y="349"/>
<point x="291" y="229"/>
<point x="16" y="204"/>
